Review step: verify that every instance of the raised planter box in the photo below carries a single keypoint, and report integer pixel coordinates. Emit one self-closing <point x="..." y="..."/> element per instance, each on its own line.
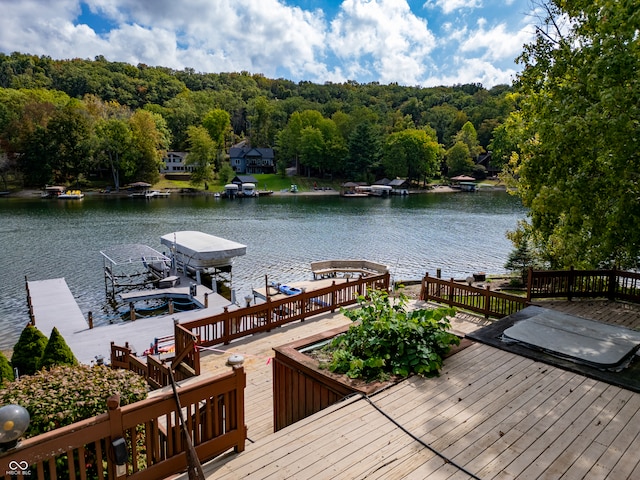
<point x="301" y="388"/>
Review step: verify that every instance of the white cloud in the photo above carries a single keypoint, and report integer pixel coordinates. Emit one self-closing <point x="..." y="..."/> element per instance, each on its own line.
<point x="381" y="38"/>
<point x="367" y="40"/>
<point x="450" y="6"/>
<point x="497" y="43"/>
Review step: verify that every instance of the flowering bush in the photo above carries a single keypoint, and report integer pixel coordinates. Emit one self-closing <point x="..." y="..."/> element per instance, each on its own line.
<point x="389" y="340"/>
<point x="66" y="394"/>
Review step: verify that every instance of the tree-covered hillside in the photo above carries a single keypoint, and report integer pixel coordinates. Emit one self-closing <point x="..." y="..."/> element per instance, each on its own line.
<point x="63" y="120"/>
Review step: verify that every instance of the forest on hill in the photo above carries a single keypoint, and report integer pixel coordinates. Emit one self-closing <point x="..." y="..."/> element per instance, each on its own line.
<point x="65" y="121"/>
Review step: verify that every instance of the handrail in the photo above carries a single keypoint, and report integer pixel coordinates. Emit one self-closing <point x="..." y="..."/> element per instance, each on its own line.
<point x="612" y="284"/>
<point x="479" y="300"/>
<point x="152" y="432"/>
<point x="230" y="325"/>
<point x="233" y="324"/>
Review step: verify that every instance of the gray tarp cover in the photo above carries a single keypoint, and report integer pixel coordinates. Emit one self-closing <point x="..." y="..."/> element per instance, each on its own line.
<point x="575" y="337"/>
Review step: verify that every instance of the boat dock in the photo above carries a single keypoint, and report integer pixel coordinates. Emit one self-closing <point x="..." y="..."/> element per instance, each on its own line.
<point x="53" y="305"/>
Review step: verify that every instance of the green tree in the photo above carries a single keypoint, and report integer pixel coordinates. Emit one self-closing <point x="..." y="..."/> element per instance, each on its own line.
<point x="469" y="137"/>
<point x="201" y="156"/>
<point x="577" y="171"/>
<point x="114" y="141"/>
<point x="218" y="124"/>
<point x="57" y="352"/>
<point x="364" y="152"/>
<point x="150" y="139"/>
<point x="69" y="134"/>
<point x="459" y="160"/>
<point x="261" y="132"/>
<point x="312" y="148"/>
<point x="28" y="350"/>
<point x="411" y="154"/>
<point x="521" y="258"/>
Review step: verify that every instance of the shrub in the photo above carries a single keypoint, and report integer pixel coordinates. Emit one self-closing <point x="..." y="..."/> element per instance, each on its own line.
<point x="389" y="340"/>
<point x="6" y="372"/>
<point x="28" y="350"/>
<point x="57" y="352"/>
<point x="67" y="394"/>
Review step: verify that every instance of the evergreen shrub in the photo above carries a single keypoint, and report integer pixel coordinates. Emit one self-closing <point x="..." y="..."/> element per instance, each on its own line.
<point x="28" y="350"/>
<point x="57" y="352"/>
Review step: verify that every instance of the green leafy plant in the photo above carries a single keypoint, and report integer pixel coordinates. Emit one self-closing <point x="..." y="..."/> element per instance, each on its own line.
<point x="66" y="394"/>
<point x="28" y="350"/>
<point x="6" y="372"/>
<point x="387" y="339"/>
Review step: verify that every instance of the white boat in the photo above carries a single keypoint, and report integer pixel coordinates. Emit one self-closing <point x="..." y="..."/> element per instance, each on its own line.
<point x="248" y="190"/>
<point x="52" y="191"/>
<point x="71" y="195"/>
<point x="157" y="194"/>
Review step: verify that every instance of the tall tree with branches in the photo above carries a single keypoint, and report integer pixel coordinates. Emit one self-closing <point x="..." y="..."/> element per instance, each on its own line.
<point x="578" y="164"/>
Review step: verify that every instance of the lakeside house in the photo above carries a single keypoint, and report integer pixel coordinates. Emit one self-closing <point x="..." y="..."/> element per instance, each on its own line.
<point x="174" y="162"/>
<point x="245" y="159"/>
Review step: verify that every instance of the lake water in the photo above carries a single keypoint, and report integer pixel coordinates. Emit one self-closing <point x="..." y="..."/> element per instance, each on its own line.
<point x="460" y="233"/>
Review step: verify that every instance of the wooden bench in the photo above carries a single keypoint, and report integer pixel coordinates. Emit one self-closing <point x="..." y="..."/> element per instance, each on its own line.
<point x="332" y="268"/>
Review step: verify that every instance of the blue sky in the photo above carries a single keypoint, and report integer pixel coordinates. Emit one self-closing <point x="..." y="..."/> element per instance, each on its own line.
<point x="411" y="42"/>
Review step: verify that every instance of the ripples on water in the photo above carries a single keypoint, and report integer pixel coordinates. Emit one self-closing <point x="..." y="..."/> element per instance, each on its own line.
<point x="459" y="233"/>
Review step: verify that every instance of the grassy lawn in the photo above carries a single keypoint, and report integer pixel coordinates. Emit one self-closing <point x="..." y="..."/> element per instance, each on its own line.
<point x="273" y="182"/>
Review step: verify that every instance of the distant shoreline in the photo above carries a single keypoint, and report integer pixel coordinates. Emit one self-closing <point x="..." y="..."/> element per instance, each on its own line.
<point x="32" y="193"/>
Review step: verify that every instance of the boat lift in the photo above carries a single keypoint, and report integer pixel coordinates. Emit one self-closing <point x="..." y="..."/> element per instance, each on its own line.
<point x="132" y="267"/>
<point x="195" y="254"/>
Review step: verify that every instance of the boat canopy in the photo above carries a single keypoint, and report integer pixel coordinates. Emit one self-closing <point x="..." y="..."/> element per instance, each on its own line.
<point x="231" y="186"/>
<point x="133" y="254"/>
<point x="201" y="250"/>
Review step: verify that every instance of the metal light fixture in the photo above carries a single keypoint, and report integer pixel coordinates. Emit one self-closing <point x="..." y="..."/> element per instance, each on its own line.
<point x="235" y="360"/>
<point x="14" y="421"/>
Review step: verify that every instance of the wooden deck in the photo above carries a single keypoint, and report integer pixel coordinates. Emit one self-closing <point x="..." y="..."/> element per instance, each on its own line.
<point x="491" y="414"/>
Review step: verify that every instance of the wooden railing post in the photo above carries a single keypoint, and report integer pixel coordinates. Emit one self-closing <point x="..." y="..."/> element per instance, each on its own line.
<point x="570" y="283"/>
<point x="226" y="326"/>
<point x="451" y="289"/>
<point x="529" y="283"/>
<point x="269" y="313"/>
<point x="32" y="318"/>
<point x="613" y="282"/>
<point x="487" y="302"/>
<point x="115" y="429"/>
<point x="423" y="290"/>
<point x="333" y="297"/>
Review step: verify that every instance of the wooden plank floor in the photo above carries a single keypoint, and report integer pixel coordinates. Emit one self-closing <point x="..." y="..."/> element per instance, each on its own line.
<point x="491" y="413"/>
<point x="54" y="306"/>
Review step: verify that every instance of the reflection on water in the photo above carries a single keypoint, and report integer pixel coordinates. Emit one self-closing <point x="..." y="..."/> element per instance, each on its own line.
<point x="458" y="233"/>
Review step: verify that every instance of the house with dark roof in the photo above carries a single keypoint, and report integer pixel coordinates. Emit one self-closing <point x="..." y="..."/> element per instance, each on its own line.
<point x="247" y="159"/>
<point x="174" y="162"/>
<point x="400" y="186"/>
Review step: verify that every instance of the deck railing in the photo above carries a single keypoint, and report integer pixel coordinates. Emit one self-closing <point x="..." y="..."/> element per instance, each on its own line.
<point x="611" y="284"/>
<point x="155" y="440"/>
<point x="479" y="300"/>
<point x="230" y="325"/>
